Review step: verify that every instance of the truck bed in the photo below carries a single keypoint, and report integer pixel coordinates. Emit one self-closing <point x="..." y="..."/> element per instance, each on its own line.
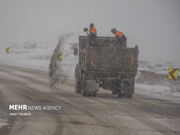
<point x="107" y="56"/>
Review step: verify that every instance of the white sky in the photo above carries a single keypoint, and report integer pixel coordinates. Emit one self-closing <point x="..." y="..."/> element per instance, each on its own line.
<point x="152" y="24"/>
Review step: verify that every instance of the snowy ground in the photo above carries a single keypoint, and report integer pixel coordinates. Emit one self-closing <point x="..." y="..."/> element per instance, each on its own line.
<point x="103" y="115"/>
<point x="151" y="77"/>
<point x="38" y="54"/>
<point x="3" y="122"/>
<point x="158" y="66"/>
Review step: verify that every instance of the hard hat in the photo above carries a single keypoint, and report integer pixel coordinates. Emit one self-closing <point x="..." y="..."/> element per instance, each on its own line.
<point x="92" y="24"/>
<point x="85" y="29"/>
<point x="113" y="30"/>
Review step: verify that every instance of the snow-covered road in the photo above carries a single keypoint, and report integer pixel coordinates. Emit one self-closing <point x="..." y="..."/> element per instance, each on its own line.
<point x="104" y="115"/>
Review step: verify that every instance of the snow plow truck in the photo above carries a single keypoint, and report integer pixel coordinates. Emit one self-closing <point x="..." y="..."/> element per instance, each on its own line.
<point x="106" y="65"/>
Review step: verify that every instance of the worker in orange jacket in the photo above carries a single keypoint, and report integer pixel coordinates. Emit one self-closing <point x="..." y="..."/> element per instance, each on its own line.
<point x="92" y="29"/>
<point x="120" y="38"/>
<point x="92" y="35"/>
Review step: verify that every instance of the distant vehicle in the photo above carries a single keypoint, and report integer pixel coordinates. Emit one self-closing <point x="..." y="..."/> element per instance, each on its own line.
<point x="105" y="65"/>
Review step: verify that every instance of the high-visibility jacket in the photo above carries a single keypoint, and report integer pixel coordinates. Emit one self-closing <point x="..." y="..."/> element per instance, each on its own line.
<point x="92" y="30"/>
<point x="119" y="34"/>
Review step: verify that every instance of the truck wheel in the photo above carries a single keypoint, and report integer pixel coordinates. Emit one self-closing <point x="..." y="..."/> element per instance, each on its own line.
<point x="89" y="88"/>
<point x="119" y="92"/>
<point x="94" y="94"/>
<point x="84" y="88"/>
<point x="128" y="91"/>
<point x="120" y="95"/>
<point x="78" y="87"/>
<point x="77" y="81"/>
<point x="129" y="95"/>
<point x="84" y="93"/>
<point x="114" y="92"/>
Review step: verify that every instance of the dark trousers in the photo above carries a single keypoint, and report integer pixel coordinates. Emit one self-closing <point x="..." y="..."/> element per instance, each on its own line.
<point x="92" y="39"/>
<point x="121" y="41"/>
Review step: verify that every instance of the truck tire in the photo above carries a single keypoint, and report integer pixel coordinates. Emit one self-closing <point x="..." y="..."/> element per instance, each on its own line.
<point x="130" y="89"/>
<point x="94" y="94"/>
<point x="78" y="87"/>
<point x="120" y="95"/>
<point x="129" y="94"/>
<point x="92" y="87"/>
<point x="77" y="80"/>
<point x="114" y="92"/>
<point x="84" y="93"/>
<point x="115" y="87"/>
<point x="83" y="90"/>
<point x="119" y="89"/>
<point x="89" y="88"/>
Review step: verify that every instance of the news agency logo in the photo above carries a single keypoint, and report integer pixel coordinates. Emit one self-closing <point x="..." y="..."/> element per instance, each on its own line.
<point x="25" y="110"/>
<point x="24" y="107"/>
<point x="18" y="107"/>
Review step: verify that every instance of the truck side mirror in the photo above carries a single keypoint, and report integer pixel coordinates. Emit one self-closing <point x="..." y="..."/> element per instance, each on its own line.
<point x="75" y="51"/>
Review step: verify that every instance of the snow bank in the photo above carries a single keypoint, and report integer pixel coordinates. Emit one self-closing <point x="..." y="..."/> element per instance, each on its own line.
<point x="37" y="54"/>
<point x="160" y="67"/>
<point x="177" y="94"/>
<point x="153" y="88"/>
<point x="3" y="122"/>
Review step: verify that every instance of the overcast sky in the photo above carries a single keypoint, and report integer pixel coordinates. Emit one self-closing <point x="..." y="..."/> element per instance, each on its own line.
<point x="152" y="24"/>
